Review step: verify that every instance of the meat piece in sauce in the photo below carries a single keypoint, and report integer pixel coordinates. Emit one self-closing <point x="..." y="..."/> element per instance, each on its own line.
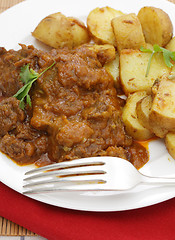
<point x="23" y="143"/>
<point x="10" y="115"/>
<point x="23" y="152"/>
<point x="9" y="75"/>
<point x="19" y="140"/>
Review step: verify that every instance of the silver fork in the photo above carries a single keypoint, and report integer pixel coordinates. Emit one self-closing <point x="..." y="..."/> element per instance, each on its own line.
<point x="88" y="174"/>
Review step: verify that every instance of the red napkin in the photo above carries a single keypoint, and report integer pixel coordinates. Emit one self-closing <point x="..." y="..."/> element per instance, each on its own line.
<point x="154" y="223"/>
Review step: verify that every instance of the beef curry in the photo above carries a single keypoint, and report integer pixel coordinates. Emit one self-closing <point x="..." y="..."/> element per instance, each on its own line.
<point x="75" y="110"/>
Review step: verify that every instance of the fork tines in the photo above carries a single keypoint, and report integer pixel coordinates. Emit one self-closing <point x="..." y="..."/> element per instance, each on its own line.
<point x="65" y="176"/>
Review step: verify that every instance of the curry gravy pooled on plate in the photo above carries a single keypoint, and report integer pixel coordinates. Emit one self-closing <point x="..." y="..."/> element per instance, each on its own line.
<point x="74" y="112"/>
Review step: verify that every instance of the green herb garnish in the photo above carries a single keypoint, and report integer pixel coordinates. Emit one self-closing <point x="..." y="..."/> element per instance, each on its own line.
<point x="28" y="77"/>
<point x="168" y="56"/>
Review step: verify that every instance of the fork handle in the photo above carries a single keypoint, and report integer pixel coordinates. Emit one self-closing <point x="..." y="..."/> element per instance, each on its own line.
<point x="164" y="180"/>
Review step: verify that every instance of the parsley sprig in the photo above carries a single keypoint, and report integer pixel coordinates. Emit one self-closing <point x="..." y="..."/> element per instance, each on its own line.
<point x="28" y="76"/>
<point x="168" y="56"/>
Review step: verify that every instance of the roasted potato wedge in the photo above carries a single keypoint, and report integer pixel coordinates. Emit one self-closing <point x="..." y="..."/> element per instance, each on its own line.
<point x="149" y="46"/>
<point x="162" y="113"/>
<point x="171" y="45"/>
<point x="113" y="69"/>
<point x="133" y="66"/>
<point x="99" y="24"/>
<point x="130" y="120"/>
<point x="57" y="30"/>
<point x="143" y="108"/>
<point x="128" y="32"/>
<point x="156" y="24"/>
<point x="170" y="143"/>
<point x="79" y="32"/>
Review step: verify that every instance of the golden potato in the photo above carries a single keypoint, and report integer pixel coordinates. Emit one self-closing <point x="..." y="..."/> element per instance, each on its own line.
<point x="170" y="143"/>
<point x="162" y="113"/>
<point x="143" y="108"/>
<point x="54" y="30"/>
<point x="128" y="32"/>
<point x="113" y="68"/>
<point x="133" y="66"/>
<point x="156" y="24"/>
<point x="149" y="46"/>
<point x="79" y="32"/>
<point x="99" y="24"/>
<point x="57" y="30"/>
<point x="171" y="45"/>
<point x="130" y="120"/>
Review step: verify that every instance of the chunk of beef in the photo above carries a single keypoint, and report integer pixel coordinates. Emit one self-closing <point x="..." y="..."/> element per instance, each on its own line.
<point x="10" y="115"/>
<point x="19" y="140"/>
<point x="73" y="133"/>
<point x="16" y="148"/>
<point x="9" y="74"/>
<point x="23" y="151"/>
<point x="10" y="66"/>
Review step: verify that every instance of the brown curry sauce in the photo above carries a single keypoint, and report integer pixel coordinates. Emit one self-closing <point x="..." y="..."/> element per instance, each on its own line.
<point x="75" y="112"/>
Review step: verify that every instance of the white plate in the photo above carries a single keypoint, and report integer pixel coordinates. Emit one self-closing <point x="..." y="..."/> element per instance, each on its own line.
<point x="16" y="25"/>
